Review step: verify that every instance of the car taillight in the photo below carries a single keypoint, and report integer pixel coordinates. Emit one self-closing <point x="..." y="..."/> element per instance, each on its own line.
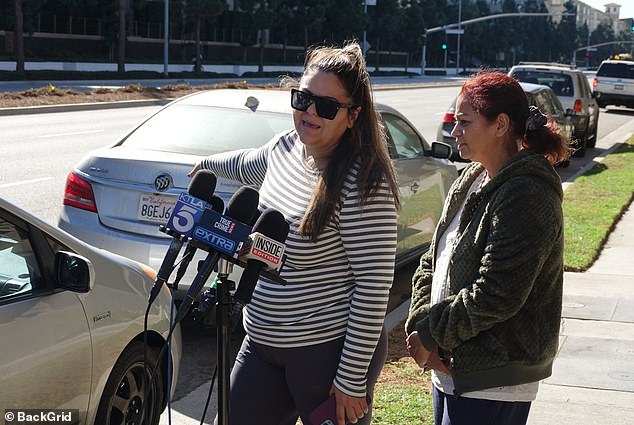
<point x="578" y="105"/>
<point x="595" y="82"/>
<point x="78" y="193"/>
<point x="448" y="117"/>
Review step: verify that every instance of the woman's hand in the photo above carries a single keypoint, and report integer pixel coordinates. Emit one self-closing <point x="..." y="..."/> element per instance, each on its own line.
<point x="416" y="349"/>
<point x="194" y="170"/>
<point x="434" y="362"/>
<point x="349" y="409"/>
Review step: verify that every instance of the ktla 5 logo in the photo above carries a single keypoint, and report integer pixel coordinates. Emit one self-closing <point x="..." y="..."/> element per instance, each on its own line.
<point x="187" y="211"/>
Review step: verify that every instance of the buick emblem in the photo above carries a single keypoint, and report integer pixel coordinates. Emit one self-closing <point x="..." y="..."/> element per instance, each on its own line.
<point x="162" y="182"/>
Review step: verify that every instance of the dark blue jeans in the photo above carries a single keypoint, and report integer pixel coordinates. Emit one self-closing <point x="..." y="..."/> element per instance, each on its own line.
<point x="450" y="410"/>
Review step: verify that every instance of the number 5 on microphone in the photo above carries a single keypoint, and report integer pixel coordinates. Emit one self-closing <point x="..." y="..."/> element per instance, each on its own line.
<point x="187" y="211"/>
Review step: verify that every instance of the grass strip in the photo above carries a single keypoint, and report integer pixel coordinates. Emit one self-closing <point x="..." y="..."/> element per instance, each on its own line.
<point x="594" y="204"/>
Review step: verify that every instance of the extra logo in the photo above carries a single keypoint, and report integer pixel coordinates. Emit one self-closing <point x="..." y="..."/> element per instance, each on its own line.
<point x="215" y="240"/>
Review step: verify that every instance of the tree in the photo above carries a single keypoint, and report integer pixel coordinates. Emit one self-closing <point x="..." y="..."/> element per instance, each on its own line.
<point x="19" y="36"/>
<point x="413" y="24"/>
<point x="196" y="11"/>
<point x="122" y="36"/>
<point x="262" y="15"/>
<point x="387" y="16"/>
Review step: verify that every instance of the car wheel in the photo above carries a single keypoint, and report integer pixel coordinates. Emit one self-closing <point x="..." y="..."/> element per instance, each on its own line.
<point x="123" y="395"/>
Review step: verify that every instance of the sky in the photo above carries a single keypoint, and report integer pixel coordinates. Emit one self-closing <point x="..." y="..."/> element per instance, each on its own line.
<point x="627" y="6"/>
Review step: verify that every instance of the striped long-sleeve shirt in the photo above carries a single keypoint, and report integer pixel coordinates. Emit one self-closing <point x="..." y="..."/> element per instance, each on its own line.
<point x="337" y="286"/>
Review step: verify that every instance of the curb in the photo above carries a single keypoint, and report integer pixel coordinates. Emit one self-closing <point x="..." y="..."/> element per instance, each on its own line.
<point x="46" y="109"/>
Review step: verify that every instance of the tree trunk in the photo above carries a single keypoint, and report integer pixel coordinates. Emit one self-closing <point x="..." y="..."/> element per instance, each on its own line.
<point x="19" y="37"/>
<point x="261" y="60"/>
<point x="122" y="37"/>
<point x="198" y="61"/>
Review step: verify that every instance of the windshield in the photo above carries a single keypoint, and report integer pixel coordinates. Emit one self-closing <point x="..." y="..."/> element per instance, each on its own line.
<point x="204" y="130"/>
<point x="616" y="70"/>
<point x="561" y="84"/>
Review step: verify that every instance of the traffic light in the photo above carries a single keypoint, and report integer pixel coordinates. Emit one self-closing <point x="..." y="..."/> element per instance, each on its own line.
<point x="632" y="27"/>
<point x="444" y="46"/>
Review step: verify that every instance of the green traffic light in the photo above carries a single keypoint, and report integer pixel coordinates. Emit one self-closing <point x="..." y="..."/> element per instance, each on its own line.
<point x="444" y="46"/>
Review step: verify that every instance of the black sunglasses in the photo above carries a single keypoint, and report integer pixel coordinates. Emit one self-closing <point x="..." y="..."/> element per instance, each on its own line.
<point x="326" y="108"/>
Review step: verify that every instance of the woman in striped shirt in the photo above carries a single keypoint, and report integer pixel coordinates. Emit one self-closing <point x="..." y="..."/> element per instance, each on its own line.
<point x="332" y="179"/>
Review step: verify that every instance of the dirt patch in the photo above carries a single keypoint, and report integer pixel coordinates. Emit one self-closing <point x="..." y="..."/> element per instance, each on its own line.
<point x="51" y="95"/>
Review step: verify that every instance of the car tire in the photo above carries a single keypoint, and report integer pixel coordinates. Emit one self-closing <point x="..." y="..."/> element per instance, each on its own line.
<point x="581" y="146"/>
<point x="122" y="398"/>
<point x="595" y="134"/>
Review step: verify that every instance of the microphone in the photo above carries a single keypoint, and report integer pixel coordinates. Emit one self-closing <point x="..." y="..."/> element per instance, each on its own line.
<point x="220" y="235"/>
<point x="189" y="207"/>
<point x="263" y="250"/>
<point x="217" y="205"/>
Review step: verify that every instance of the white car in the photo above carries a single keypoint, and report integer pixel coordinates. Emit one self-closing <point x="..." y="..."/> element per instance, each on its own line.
<point x="117" y="197"/>
<point x="71" y="326"/>
<point x="571" y="86"/>
<point x="614" y="83"/>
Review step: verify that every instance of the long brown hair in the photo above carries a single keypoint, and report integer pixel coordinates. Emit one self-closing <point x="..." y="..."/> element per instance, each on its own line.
<point x="365" y="142"/>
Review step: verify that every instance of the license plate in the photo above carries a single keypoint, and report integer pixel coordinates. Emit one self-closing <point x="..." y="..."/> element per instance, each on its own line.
<point x="618" y="87"/>
<point x="155" y="208"/>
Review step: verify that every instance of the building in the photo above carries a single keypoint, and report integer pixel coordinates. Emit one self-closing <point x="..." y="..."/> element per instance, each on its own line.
<point x="590" y="16"/>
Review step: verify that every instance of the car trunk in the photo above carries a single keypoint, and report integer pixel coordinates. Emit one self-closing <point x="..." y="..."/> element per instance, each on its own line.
<point x="123" y="183"/>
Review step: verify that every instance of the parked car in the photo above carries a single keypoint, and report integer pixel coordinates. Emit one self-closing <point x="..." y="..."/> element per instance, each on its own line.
<point x="573" y="90"/>
<point x="538" y="95"/>
<point x="109" y="190"/>
<point x="71" y="325"/>
<point x="614" y="83"/>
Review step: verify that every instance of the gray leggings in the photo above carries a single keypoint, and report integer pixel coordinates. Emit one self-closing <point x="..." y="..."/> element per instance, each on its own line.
<point x="275" y="386"/>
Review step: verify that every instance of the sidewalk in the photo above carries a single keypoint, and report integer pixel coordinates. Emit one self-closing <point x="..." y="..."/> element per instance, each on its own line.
<point x="593" y="376"/>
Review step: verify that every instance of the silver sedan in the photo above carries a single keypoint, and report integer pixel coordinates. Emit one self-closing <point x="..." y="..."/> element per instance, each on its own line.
<point x="71" y="326"/>
<point x="117" y="197"/>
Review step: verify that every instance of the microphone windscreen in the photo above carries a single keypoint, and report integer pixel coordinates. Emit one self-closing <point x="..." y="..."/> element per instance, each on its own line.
<point x="243" y="205"/>
<point x="272" y="224"/>
<point x="217" y="204"/>
<point x="203" y="185"/>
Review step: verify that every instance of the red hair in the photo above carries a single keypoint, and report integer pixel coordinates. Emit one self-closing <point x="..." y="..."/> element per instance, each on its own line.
<point x="494" y="93"/>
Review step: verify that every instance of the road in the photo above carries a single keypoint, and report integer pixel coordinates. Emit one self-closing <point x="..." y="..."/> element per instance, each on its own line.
<point x="39" y="150"/>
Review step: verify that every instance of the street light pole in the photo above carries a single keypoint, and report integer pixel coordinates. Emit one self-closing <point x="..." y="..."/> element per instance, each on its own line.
<point x="458" y="48"/>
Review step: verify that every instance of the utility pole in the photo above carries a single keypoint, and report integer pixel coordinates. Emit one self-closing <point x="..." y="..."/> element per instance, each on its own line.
<point x="458" y="48"/>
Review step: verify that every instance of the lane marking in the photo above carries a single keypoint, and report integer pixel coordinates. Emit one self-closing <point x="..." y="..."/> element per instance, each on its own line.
<point x="71" y="134"/>
<point x="41" y="179"/>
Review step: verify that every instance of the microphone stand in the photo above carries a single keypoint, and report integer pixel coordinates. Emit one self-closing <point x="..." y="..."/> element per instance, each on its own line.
<point x="223" y="309"/>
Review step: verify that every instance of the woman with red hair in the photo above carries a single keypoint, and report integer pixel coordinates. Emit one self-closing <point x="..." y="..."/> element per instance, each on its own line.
<point x="486" y="297"/>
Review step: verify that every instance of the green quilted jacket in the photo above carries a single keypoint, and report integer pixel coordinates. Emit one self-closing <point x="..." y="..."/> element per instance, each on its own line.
<point x="500" y="324"/>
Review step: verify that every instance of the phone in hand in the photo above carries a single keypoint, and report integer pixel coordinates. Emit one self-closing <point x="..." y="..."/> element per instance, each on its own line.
<point x="326" y="412"/>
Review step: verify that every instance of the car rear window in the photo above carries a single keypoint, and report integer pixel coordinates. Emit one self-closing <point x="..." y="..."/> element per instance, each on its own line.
<point x="561" y="84"/>
<point x="616" y="70"/>
<point x="204" y="130"/>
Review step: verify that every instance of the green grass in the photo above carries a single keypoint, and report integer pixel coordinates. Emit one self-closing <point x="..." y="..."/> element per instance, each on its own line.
<point x="594" y="203"/>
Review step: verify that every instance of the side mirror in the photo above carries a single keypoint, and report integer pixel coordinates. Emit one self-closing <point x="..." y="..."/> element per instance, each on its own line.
<point x="74" y="272"/>
<point x="439" y="150"/>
